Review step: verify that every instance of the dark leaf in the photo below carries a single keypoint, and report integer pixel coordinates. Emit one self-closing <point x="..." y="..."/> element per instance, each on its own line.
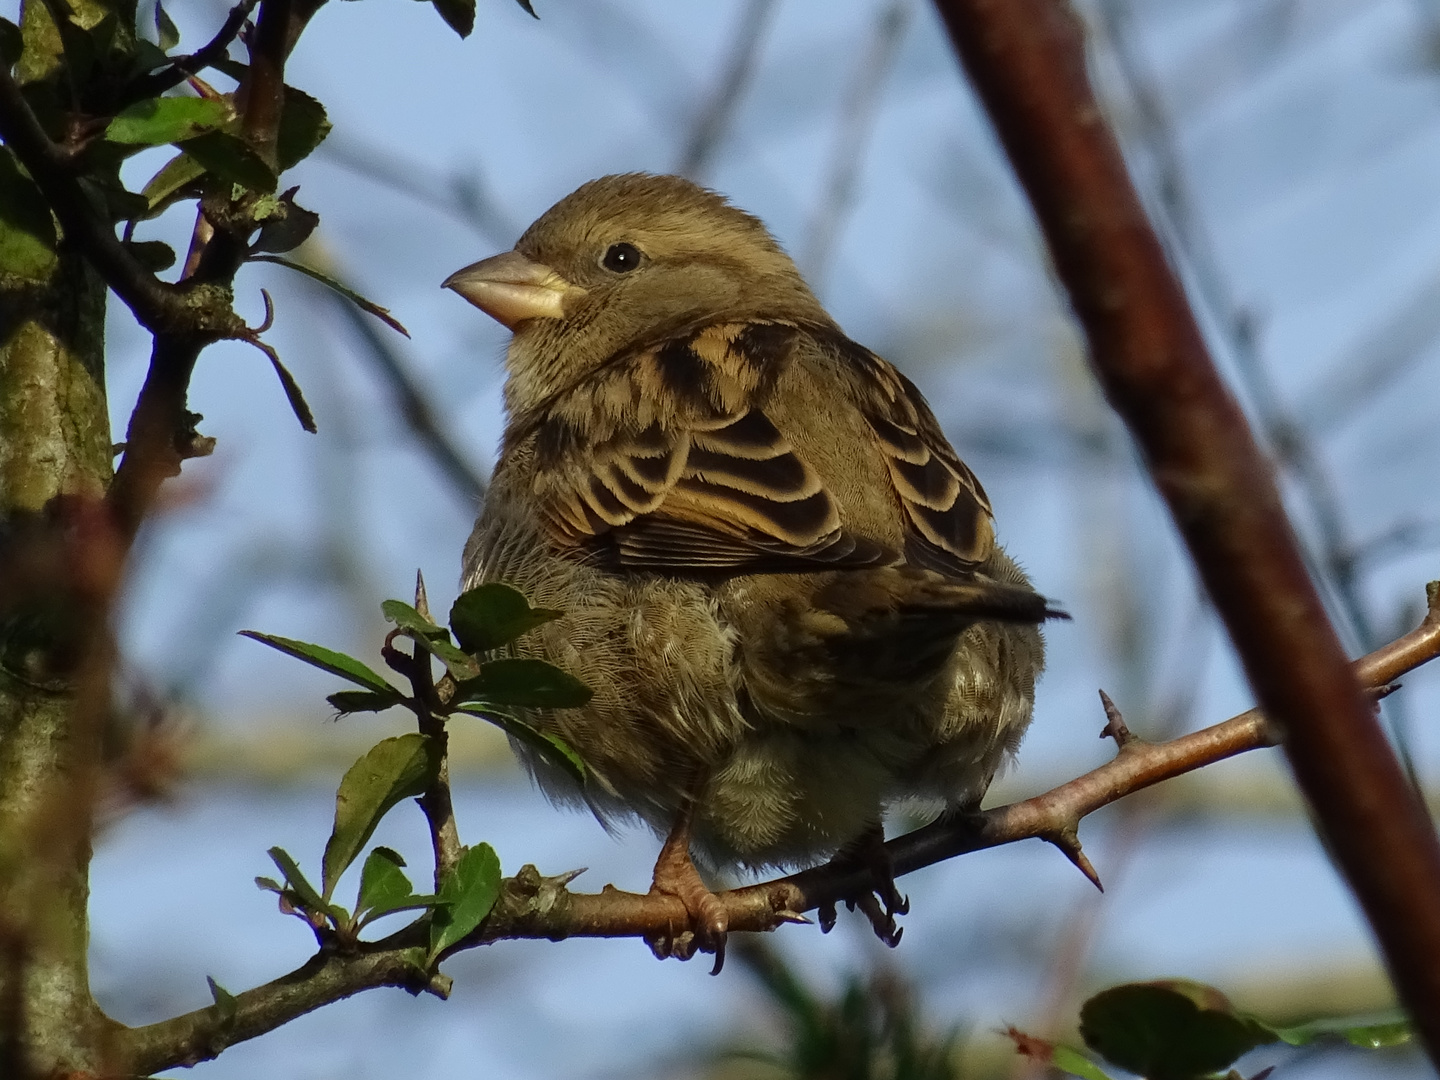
<point x="347" y="667"/>
<point x="392" y="770"/>
<point x="303" y="127"/>
<point x="459" y="15"/>
<point x="466" y="896"/>
<point x="289" y="226"/>
<point x="118" y="203"/>
<point x="555" y="750"/>
<point x="269" y="884"/>
<point x="383" y="314"/>
<point x="346" y="702"/>
<point x="27" y="231"/>
<point x="225" y="1003"/>
<point x="525" y="682"/>
<point x="148" y="57"/>
<point x="157" y="121"/>
<point x="293" y="394"/>
<point x="232" y="159"/>
<point x="527" y="8"/>
<point x="12" y="43"/>
<point x="1169" y="1030"/>
<point x="153" y="255"/>
<point x="491" y="615"/>
<point x="165" y="32"/>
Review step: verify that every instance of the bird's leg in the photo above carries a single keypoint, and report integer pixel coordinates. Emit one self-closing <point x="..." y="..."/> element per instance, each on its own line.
<point x="675" y="875"/>
<point x="867" y="851"/>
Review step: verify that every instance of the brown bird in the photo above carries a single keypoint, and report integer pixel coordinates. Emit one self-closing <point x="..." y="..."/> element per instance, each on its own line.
<point x="778" y="578"/>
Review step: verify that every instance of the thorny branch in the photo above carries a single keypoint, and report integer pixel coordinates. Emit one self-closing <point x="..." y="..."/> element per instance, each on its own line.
<point x="533" y="906"/>
<point x="1026" y="60"/>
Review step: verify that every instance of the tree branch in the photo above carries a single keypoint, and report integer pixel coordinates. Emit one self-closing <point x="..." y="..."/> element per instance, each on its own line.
<point x="157" y="305"/>
<point x="156" y="84"/>
<point x="1026" y="60"/>
<point x="534" y="906"/>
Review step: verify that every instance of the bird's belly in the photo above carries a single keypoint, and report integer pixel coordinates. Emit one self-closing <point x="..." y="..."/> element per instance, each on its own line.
<point x="794" y="757"/>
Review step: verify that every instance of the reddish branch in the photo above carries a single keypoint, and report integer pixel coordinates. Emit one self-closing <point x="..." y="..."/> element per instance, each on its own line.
<point x="532" y="906"/>
<point x="1026" y="60"/>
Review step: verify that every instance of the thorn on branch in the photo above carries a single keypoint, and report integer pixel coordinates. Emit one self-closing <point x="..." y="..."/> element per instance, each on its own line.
<point x="269" y="313"/>
<point x="1115" y="723"/>
<point x="1068" y="841"/>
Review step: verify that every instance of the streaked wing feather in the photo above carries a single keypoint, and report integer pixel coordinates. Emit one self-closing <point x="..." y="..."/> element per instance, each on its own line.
<point x="950" y="526"/>
<point x="710" y="485"/>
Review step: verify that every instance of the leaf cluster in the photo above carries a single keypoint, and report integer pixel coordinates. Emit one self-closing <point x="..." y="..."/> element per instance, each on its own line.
<point x="475" y="682"/>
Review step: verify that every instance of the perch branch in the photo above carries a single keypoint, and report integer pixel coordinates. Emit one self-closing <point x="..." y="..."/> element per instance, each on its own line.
<point x="533" y="906"/>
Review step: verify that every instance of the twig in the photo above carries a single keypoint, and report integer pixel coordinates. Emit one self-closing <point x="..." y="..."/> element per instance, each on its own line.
<point x="155" y="84"/>
<point x="534" y="906"/>
<point x="158" y="306"/>
<point x="1026" y="59"/>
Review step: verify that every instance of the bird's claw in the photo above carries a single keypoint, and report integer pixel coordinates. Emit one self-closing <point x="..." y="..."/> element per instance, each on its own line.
<point x="881" y="901"/>
<point x="708" y="930"/>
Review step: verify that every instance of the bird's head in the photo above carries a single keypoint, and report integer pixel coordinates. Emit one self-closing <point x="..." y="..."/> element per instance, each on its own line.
<point x="621" y="262"/>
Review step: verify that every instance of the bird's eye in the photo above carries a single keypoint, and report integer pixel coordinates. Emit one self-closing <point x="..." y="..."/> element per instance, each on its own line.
<point x="621" y="258"/>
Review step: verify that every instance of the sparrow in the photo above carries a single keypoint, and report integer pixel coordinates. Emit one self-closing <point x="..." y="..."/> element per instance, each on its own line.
<point x="780" y="581"/>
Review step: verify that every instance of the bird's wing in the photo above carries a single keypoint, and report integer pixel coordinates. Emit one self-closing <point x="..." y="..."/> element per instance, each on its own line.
<point x="681" y="470"/>
<point x="949" y="523"/>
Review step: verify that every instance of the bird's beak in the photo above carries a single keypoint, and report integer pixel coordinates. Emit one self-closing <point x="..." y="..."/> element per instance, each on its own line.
<point x="511" y="288"/>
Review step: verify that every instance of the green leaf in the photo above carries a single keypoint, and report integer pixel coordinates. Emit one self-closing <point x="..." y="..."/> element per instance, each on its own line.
<point x="346" y="702"/>
<point x="347" y="667"/>
<point x="1169" y="1030"/>
<point x="303" y="127"/>
<point x="554" y="750"/>
<point x="225" y="1003"/>
<point x="231" y="158"/>
<point x="157" y="121"/>
<point x="392" y="770"/>
<point x="27" y="231"/>
<point x="384" y="888"/>
<point x="1069" y="1060"/>
<point x="12" y="43"/>
<point x="295" y="881"/>
<point x="407" y="618"/>
<point x="369" y="306"/>
<point x="1372" y="1031"/>
<point x="430" y="637"/>
<point x="459" y="15"/>
<point x="491" y="615"/>
<point x="165" y="31"/>
<point x="171" y="182"/>
<point x="466" y="896"/>
<point x="528" y="683"/>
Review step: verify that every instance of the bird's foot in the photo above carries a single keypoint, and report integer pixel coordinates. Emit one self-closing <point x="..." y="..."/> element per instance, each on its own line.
<point x="675" y="875"/>
<point x="881" y="901"/>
